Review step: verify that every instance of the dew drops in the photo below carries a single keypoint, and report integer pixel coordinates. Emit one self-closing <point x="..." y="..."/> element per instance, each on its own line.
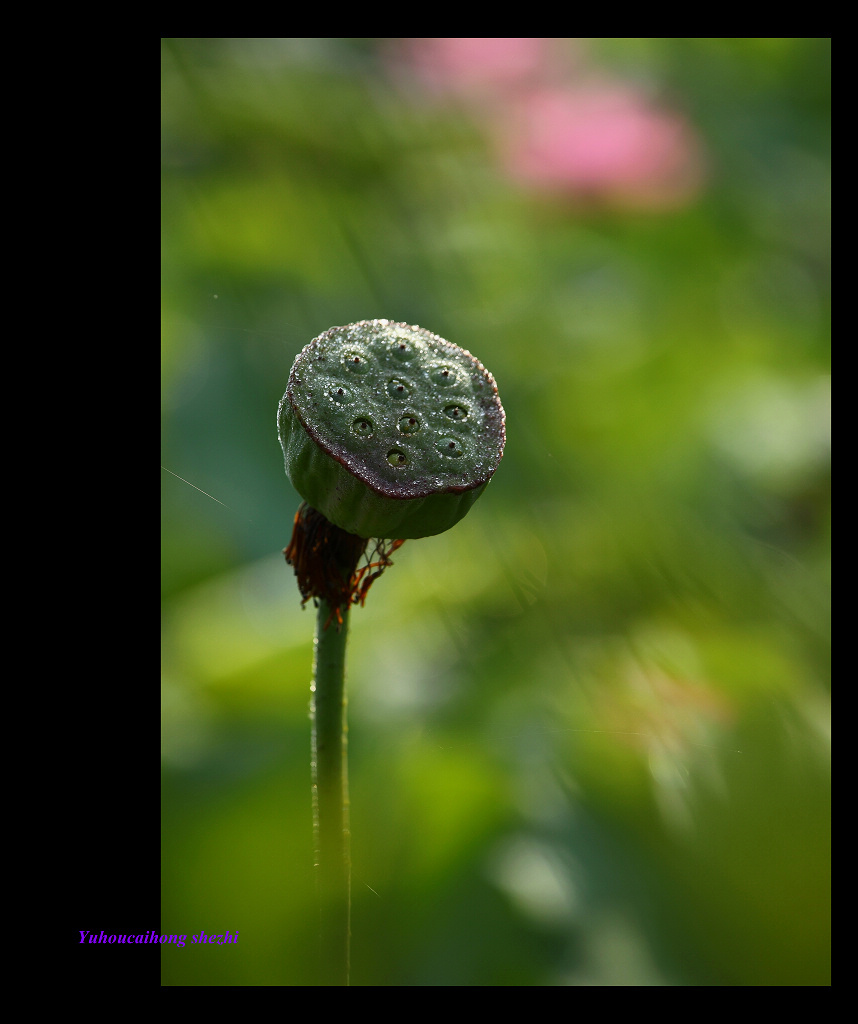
<point x="395" y="406"/>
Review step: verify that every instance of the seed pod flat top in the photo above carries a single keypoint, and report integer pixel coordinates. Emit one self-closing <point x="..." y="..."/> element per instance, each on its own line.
<point x="389" y="430"/>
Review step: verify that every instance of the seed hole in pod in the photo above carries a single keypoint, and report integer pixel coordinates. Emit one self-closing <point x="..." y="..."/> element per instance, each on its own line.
<point x="408" y="424"/>
<point x="355" y="361"/>
<point x="402" y="351"/>
<point x="398" y="388"/>
<point x="444" y="375"/>
<point x="363" y="427"/>
<point x="451" y="447"/>
<point x="456" y="412"/>
<point x="340" y="394"/>
<point x="398" y="459"/>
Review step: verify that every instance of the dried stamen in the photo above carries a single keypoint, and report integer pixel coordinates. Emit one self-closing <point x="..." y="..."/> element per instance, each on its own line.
<point x="325" y="559"/>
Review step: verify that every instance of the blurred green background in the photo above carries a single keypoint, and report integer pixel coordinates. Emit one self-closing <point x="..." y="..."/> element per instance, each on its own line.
<point x="589" y="726"/>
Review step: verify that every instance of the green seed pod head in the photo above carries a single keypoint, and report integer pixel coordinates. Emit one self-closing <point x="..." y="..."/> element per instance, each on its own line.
<point x="388" y="430"/>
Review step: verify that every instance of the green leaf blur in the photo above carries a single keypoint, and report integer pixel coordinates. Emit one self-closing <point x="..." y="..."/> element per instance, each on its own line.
<point x="589" y="726"/>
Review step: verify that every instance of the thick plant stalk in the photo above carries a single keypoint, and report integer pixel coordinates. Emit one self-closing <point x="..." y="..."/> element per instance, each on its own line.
<point x="388" y="432"/>
<point x="330" y="793"/>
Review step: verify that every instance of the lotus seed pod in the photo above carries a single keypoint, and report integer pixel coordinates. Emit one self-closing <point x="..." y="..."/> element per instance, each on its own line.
<point x="388" y="430"/>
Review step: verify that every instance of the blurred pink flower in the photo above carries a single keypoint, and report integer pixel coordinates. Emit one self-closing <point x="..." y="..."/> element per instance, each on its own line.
<point x="472" y="66"/>
<point x="601" y="143"/>
<point x="557" y="131"/>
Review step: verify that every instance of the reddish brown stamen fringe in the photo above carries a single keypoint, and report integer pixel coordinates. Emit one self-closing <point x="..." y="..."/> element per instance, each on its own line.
<point x="325" y="559"/>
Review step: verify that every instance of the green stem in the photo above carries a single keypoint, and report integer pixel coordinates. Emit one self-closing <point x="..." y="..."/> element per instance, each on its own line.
<point x="331" y="794"/>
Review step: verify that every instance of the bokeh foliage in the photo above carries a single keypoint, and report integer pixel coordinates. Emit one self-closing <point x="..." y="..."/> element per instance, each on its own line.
<point x="589" y="725"/>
